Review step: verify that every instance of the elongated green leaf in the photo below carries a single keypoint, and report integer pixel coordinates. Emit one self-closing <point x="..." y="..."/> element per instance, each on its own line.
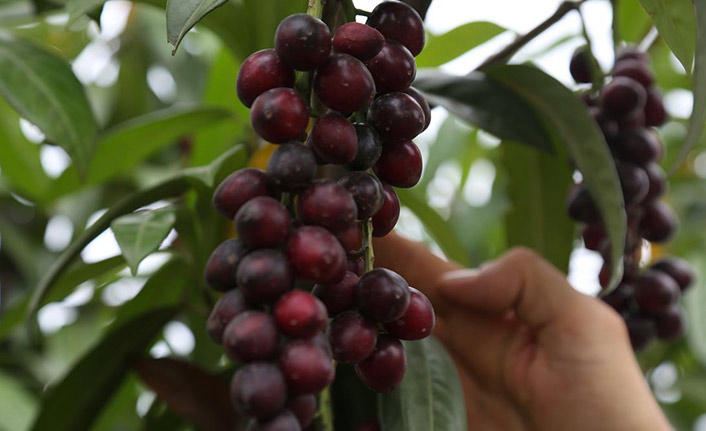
<point x="537" y="187"/>
<point x="78" y="8"/>
<point x="44" y="90"/>
<point x="484" y="103"/>
<point x="571" y="125"/>
<point x="17" y="405"/>
<point x="141" y="233"/>
<point x="436" y="226"/>
<point x="77" y="399"/>
<point x="698" y="113"/>
<point x="182" y="15"/>
<point x="233" y="159"/>
<point x="695" y="302"/>
<point x="430" y="397"/>
<point x="675" y="20"/>
<point x="445" y="47"/>
<point x="633" y="21"/>
<point x="353" y="403"/>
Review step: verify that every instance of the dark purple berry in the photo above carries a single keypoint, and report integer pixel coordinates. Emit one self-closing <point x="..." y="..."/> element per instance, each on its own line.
<point x="366" y="191"/>
<point x="639" y="146"/>
<point x="635" y="69"/>
<point x="631" y="53"/>
<point x="655" y="114"/>
<point x="316" y="255"/>
<point x="620" y="298"/>
<point x="417" y="322"/>
<point x="383" y="295"/>
<point x="356" y="266"/>
<point x="221" y="266"/>
<point x="393" y="68"/>
<point x="327" y="204"/>
<point x="279" y="115"/>
<point x="670" y="324"/>
<point x="260" y="72"/>
<point x="369" y="148"/>
<point x="304" y="408"/>
<point x="386" y="218"/>
<point x="259" y="390"/>
<point x="678" y="269"/>
<point x="634" y="182"/>
<point x="594" y="236"/>
<point x="284" y="421"/>
<point x="419" y="98"/>
<point x="300" y="314"/>
<point x="397" y="118"/>
<point x="658" y="182"/>
<point x="263" y="222"/>
<point x="400" y="165"/>
<point x="642" y="331"/>
<point x="623" y="97"/>
<point x="227" y="308"/>
<point x="264" y="275"/>
<point x="291" y="167"/>
<point x="359" y="40"/>
<point x="384" y="369"/>
<point x="303" y="42"/>
<point x="655" y="291"/>
<point x="351" y="239"/>
<point x="307" y="369"/>
<point x="344" y="84"/>
<point x="352" y="338"/>
<point x="581" y="206"/>
<point x="252" y="336"/>
<point x="580" y="65"/>
<point x="238" y="188"/>
<point x="399" y="21"/>
<point x="609" y="127"/>
<point x="338" y="297"/>
<point x="333" y="139"/>
<point x="658" y="222"/>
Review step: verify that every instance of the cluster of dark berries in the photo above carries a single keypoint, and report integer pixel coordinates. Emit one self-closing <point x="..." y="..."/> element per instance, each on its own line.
<point x="626" y="110"/>
<point x="302" y="254"/>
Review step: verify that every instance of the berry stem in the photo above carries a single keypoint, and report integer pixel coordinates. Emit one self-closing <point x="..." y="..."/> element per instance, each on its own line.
<point x="316" y="8"/>
<point x="368" y="244"/>
<point x="504" y="55"/>
<point x="362" y="12"/>
<point x="325" y="413"/>
<point x="596" y="72"/>
<point x="615" y="24"/>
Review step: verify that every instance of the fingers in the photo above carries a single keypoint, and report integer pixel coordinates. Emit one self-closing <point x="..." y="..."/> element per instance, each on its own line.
<point x="520" y="281"/>
<point x="421" y="268"/>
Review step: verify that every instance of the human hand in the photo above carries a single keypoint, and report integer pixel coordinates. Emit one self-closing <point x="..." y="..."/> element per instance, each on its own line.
<point x="532" y="353"/>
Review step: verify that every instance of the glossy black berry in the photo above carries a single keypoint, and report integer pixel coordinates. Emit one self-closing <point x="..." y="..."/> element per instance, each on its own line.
<point x="659" y="222"/>
<point x="655" y="113"/>
<point x="291" y="167"/>
<point x="581" y="206"/>
<point x="417" y="322"/>
<point x="655" y="291"/>
<point x="658" y="182"/>
<point x="639" y="146"/>
<point x="338" y="297"/>
<point x="633" y="181"/>
<point x="369" y="148"/>
<point x="419" y="98"/>
<point x="635" y="69"/>
<point x="678" y="269"/>
<point x="670" y="324"/>
<point x="366" y="191"/>
<point x="580" y="65"/>
<point x="623" y="97"/>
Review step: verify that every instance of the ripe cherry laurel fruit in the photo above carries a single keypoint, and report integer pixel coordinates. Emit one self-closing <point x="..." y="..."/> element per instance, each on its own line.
<point x="678" y="270"/>
<point x="352" y="337"/>
<point x="303" y="42"/>
<point x="338" y="297"/>
<point x="399" y="21"/>
<point x="222" y="264"/>
<point x="344" y="84"/>
<point x="238" y="188"/>
<point x="316" y="255"/>
<point x="263" y="222"/>
<point x="300" y="314"/>
<point x="333" y="139"/>
<point x="351" y="239"/>
<point x="369" y="148"/>
<point x="291" y="167"/>
<point x="359" y="40"/>
<point x="227" y="308"/>
<point x="393" y="68"/>
<point x="306" y="368"/>
<point x="655" y="291"/>
<point x="397" y="118"/>
<point x="279" y="115"/>
<point x="623" y="97"/>
<point x="400" y="165"/>
<point x="284" y="421"/>
<point x="327" y="204"/>
<point x="419" y="98"/>
<point x="417" y="322"/>
<point x="260" y="72"/>
<point x="366" y="191"/>
<point x="384" y="369"/>
<point x="304" y="408"/>
<point x="383" y="295"/>
<point x="259" y="390"/>
<point x="252" y="336"/>
<point x="264" y="275"/>
<point x="386" y="218"/>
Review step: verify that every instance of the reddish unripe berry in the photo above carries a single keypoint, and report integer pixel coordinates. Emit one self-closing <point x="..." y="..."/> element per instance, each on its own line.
<point x="393" y="68"/>
<point x="670" y="324"/>
<point x="333" y="139"/>
<point x="384" y="369"/>
<point x="279" y="115"/>
<point x="263" y="222"/>
<point x="291" y="167"/>
<point x="351" y="239"/>
<point x="359" y="40"/>
<point x="344" y="84"/>
<point x="304" y="408"/>
<point x="655" y="291"/>
<point x="639" y="146"/>
<point x="594" y="236"/>
<point x="383" y="295"/>
<point x="623" y="97"/>
<point x="417" y="322"/>
<point x="307" y="369"/>
<point x="369" y="148"/>
<point x="238" y="188"/>
<point x="386" y="218"/>
<point x="397" y="118"/>
<point x="303" y="42"/>
<point x="642" y="331"/>
<point x="658" y="182"/>
<point x="366" y="191"/>
<point x="620" y="298"/>
<point x="655" y="114"/>
<point x="368" y="425"/>
<point x="581" y="207"/>
<point x="316" y="255"/>
<point x="300" y="314"/>
<point x="678" y="269"/>
<point x="352" y="338"/>
<point x="252" y="336"/>
<point x="327" y="204"/>
<point x="658" y="222"/>
<point x="284" y="421"/>
<point x="259" y="390"/>
<point x="635" y="69"/>
<point x="260" y="72"/>
<point x="222" y="264"/>
<point x="338" y="297"/>
<point x="399" y="21"/>
<point x="419" y="98"/>
<point x="264" y="275"/>
<point x="400" y="165"/>
<point x="580" y="65"/>
<point x="227" y="308"/>
<point x="633" y="181"/>
<point x="356" y="266"/>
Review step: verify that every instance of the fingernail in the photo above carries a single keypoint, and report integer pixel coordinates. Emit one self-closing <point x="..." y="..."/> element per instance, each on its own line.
<point x="459" y="276"/>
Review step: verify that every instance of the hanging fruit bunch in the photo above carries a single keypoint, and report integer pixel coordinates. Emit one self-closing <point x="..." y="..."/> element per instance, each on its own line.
<point x="300" y="290"/>
<point x="627" y="109"/>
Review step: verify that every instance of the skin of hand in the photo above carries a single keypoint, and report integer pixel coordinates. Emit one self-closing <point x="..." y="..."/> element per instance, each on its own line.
<point x="532" y="353"/>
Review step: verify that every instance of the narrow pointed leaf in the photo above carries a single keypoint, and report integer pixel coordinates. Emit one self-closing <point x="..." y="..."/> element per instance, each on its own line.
<point x="676" y="24"/>
<point x="141" y="233"/>
<point x="454" y="43"/>
<point x="182" y="15"/>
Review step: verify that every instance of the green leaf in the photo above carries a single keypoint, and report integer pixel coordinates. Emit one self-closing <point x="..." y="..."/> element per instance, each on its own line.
<point x="75" y="402"/>
<point x="698" y="113"/>
<point x="141" y="233"/>
<point x="430" y="397"/>
<point x="17" y="405"/>
<point x="182" y="15"/>
<point x="633" y="21"/>
<point x="695" y="301"/>
<point x="571" y="125"/>
<point x="482" y="102"/>
<point x="436" y="226"/>
<point x="352" y="401"/>
<point x="78" y="8"/>
<point x="537" y="188"/>
<point x="675" y="20"/>
<point x="233" y="159"/>
<point x="43" y="89"/>
<point x="444" y="48"/>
